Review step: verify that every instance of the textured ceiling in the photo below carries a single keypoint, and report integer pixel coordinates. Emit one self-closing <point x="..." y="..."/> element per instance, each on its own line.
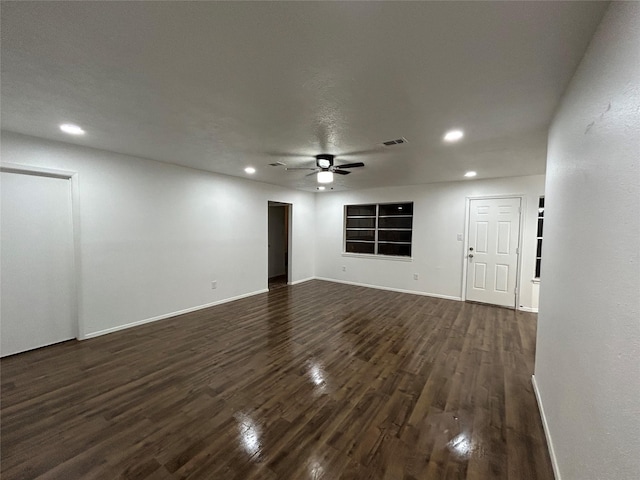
<point x="219" y="86"/>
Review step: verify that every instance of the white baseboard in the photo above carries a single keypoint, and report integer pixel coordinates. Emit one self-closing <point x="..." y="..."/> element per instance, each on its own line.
<point x="528" y="309"/>
<point x="302" y="281"/>
<point x="391" y="289"/>
<point x="169" y="315"/>
<point x="552" y="453"/>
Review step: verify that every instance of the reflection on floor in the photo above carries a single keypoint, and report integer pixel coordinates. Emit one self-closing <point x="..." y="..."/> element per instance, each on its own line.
<point x="316" y="380"/>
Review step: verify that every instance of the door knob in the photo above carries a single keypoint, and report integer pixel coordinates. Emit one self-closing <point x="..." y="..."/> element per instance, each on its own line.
<point x="471" y="255"/>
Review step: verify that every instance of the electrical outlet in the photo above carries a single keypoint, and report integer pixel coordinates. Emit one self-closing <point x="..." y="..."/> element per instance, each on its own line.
<point x="214" y="284"/>
<point x="415" y="276"/>
<point x="459" y="237"/>
<point x="344" y="269"/>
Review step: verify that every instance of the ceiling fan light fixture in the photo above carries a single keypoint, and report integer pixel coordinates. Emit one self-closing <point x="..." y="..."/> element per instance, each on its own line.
<point x="325" y="177"/>
<point x="324" y="160"/>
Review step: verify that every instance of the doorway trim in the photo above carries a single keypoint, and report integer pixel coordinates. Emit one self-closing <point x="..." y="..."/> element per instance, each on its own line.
<point x="75" y="234"/>
<point x="289" y="243"/>
<point x="289" y="210"/>
<point x="465" y="246"/>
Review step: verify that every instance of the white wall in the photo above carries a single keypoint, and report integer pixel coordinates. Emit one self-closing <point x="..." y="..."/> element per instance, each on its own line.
<point x="588" y="351"/>
<point x="153" y="235"/>
<point x="439" y="216"/>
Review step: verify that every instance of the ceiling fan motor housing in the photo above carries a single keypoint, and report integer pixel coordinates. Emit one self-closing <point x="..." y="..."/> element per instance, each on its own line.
<point x="324" y="160"/>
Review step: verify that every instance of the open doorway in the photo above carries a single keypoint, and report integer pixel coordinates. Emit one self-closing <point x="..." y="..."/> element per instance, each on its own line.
<point x="279" y="237"/>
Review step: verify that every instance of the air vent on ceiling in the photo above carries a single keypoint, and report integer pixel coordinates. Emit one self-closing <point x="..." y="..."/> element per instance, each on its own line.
<point x="395" y="142"/>
<point x="277" y="164"/>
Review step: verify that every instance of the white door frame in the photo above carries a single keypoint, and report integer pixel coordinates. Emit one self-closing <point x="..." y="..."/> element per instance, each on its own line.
<point x="289" y="243"/>
<point x="465" y="248"/>
<point x="75" y="225"/>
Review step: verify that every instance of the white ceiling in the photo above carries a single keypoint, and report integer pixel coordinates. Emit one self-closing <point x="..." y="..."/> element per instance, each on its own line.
<point x="219" y="86"/>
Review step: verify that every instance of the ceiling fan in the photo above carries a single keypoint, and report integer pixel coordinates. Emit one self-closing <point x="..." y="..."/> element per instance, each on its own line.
<point x="325" y="168"/>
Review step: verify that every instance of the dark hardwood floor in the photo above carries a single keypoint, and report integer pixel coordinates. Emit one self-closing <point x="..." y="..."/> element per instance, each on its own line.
<point x="318" y="380"/>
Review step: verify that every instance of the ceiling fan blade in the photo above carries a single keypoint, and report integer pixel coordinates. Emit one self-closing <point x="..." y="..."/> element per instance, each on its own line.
<point x="300" y="168"/>
<point x="341" y="172"/>
<point x="351" y="165"/>
<point x="312" y="173"/>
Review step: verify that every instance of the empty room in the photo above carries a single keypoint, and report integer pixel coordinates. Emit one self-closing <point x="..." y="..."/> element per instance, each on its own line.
<point x="320" y="240"/>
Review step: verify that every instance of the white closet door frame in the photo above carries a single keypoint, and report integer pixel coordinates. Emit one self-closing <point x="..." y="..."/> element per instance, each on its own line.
<point x="465" y="247"/>
<point x="75" y="223"/>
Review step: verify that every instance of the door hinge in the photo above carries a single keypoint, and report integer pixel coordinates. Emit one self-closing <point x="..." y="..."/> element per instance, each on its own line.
<point x="517" y="251"/>
<point x="515" y="290"/>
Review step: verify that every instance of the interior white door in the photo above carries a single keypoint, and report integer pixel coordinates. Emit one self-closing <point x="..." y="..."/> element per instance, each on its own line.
<point x="492" y="256"/>
<point x="36" y="258"/>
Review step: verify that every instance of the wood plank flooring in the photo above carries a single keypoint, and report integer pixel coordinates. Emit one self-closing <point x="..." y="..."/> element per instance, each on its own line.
<point x="317" y="380"/>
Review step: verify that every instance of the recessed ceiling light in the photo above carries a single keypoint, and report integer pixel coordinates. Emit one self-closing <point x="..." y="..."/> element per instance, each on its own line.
<point x="453" y="135"/>
<point x="321" y="187"/>
<point x="250" y="170"/>
<point x="71" y="129"/>
<point x="470" y="174"/>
